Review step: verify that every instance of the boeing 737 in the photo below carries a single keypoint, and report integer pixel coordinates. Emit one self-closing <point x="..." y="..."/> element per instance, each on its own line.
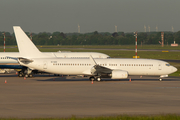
<point x="114" y="68"/>
<point x="7" y="63"/>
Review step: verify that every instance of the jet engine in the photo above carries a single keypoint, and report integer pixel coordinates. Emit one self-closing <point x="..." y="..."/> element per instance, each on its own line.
<point x="118" y="74"/>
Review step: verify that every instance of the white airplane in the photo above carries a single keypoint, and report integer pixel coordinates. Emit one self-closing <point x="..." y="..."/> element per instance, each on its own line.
<point x="7" y="63"/>
<point x="96" y="69"/>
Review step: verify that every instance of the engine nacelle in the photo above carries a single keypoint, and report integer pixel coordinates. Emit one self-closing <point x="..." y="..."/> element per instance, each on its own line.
<point x="118" y="74"/>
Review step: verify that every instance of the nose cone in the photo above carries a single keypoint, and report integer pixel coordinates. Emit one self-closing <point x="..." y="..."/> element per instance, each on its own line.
<point x="174" y="69"/>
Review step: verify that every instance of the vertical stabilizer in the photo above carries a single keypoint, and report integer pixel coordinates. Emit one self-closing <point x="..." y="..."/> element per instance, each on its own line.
<point x="25" y="45"/>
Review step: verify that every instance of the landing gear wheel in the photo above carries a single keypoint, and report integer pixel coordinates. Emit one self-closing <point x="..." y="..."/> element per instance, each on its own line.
<point x="20" y="74"/>
<point x="98" y="79"/>
<point x="91" y="78"/>
<point x="30" y="75"/>
<point x="26" y="75"/>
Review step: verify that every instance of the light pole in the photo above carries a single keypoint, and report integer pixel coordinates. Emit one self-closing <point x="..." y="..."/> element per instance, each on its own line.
<point x="136" y="43"/>
<point x="4" y="40"/>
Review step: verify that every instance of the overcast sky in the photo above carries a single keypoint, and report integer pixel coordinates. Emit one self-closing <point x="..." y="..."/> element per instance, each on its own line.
<point x="92" y="15"/>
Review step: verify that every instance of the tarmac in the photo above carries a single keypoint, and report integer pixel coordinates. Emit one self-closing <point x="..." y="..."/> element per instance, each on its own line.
<point x="45" y="96"/>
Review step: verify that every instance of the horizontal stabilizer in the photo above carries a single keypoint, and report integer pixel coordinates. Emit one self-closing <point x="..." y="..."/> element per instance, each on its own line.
<point x="25" y="60"/>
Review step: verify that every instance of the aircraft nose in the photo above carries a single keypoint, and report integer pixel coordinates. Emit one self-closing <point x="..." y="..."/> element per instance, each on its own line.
<point x="174" y="69"/>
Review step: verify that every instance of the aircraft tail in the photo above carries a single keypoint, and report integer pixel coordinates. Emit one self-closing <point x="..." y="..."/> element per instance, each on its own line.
<point x="25" y="45"/>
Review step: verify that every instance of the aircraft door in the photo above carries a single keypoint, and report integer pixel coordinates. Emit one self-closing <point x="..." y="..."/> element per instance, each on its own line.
<point x="159" y="66"/>
<point x="45" y="65"/>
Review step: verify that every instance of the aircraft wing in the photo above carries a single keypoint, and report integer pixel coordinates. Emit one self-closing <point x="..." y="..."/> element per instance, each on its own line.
<point x="97" y="69"/>
<point x="100" y="69"/>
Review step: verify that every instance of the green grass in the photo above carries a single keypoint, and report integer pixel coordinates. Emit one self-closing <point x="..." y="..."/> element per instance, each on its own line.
<point x="120" y="117"/>
<point x="117" y="53"/>
<point x="177" y="73"/>
<point x="112" y="52"/>
<point x="149" y="47"/>
<point x="127" y="54"/>
<point x="158" y="47"/>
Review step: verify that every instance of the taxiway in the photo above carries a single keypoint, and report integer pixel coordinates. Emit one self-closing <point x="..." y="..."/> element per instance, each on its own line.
<point x="50" y="96"/>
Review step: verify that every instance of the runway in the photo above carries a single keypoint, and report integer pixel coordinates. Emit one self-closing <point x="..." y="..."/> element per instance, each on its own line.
<point x="44" y="96"/>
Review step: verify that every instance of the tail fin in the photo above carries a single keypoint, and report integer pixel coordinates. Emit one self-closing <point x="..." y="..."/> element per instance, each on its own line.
<point x="25" y="45"/>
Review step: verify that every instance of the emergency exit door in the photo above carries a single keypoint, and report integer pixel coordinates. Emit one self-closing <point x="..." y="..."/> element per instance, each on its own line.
<point x="45" y="65"/>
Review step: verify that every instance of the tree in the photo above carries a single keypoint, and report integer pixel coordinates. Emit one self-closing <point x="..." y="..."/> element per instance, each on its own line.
<point x="96" y="33"/>
<point x="177" y="37"/>
<point x="115" y="34"/>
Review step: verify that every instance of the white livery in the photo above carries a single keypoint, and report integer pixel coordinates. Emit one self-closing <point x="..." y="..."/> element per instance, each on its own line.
<point x="7" y="63"/>
<point x="115" y="68"/>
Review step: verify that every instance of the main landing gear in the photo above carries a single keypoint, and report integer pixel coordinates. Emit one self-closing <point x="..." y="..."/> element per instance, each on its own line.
<point x="92" y="78"/>
<point x="25" y="72"/>
<point x="21" y="74"/>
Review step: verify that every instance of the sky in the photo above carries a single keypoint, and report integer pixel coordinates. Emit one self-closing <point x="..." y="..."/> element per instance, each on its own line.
<point x="92" y="15"/>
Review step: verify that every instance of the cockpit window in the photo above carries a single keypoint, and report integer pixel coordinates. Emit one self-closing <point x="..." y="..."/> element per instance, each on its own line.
<point x="168" y="65"/>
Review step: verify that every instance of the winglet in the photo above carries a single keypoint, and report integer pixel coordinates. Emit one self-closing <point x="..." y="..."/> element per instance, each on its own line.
<point x="25" y="45"/>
